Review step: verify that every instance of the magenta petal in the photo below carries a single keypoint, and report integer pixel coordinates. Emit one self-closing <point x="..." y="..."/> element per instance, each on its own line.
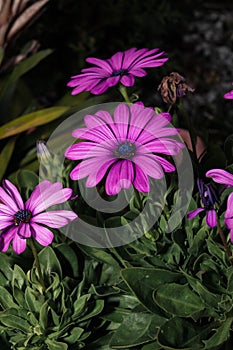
<point x="121" y="118"/>
<point x="221" y="176"/>
<point x="116" y="61"/>
<point x="19" y="244"/>
<point x="163" y="145"/>
<point x="104" y="116"/>
<point x="5" y="210"/>
<point x="55" y="218"/>
<point x="8" y="201"/>
<point x="7" y="236"/>
<point x="138" y="72"/>
<point x="100" y="88"/>
<point x="128" y="80"/>
<point x="229" y="212"/>
<point x="149" y="165"/>
<point x="112" y="185"/>
<point x="97" y="174"/>
<point x="14" y="193"/>
<point x="194" y="213"/>
<point x="24" y="230"/>
<point x="126" y="174"/>
<point x="35" y="197"/>
<point x="141" y="182"/>
<point x="229" y="95"/>
<point x="84" y="150"/>
<point x="112" y="81"/>
<point x="231" y="235"/>
<point x="87" y="167"/>
<point x="168" y="167"/>
<point x="55" y="198"/>
<point x="43" y="235"/>
<point x="229" y="222"/>
<point x="211" y="218"/>
<point x="100" y="63"/>
<point x="43" y="196"/>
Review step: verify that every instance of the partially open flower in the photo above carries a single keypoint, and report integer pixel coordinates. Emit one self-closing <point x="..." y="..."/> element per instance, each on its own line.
<point x="209" y="199"/>
<point x="173" y="86"/>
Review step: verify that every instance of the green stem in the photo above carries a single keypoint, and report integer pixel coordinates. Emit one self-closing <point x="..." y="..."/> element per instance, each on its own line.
<point x="34" y="252"/>
<point x="224" y="242"/>
<point x="124" y="93"/>
<point x="137" y="196"/>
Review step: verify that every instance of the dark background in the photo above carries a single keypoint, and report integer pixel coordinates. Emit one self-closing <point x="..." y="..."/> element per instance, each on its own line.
<point x="196" y="35"/>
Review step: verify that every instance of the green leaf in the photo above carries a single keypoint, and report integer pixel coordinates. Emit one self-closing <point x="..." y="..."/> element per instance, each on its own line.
<point x="55" y="345"/>
<point x="23" y="67"/>
<point x="5" y="266"/>
<point x="5" y="156"/>
<point x="27" y="179"/>
<point x="210" y="299"/>
<point x="74" y="336"/>
<point x="221" y="334"/>
<point x="178" y="300"/>
<point x="99" y="254"/>
<point x="43" y="318"/>
<point x="152" y="346"/>
<point x="136" y="329"/>
<point x="178" y="333"/>
<point x="69" y="258"/>
<point x="94" y="309"/>
<point x="33" y="299"/>
<point x="80" y="305"/>
<point x="49" y="261"/>
<point x="6" y="300"/>
<point x="19" y="278"/>
<point x="198" y="241"/>
<point x="218" y="252"/>
<point x="143" y="281"/>
<point x="9" y="319"/>
<point x="31" y="120"/>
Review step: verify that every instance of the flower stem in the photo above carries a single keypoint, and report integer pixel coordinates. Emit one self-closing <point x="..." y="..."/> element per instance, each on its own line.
<point x="124" y="93"/>
<point x="224" y="242"/>
<point x="34" y="252"/>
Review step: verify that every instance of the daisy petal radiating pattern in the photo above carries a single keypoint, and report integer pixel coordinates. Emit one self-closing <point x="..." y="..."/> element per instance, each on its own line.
<point x="122" y="149"/>
<point x="19" y="220"/>
<point x="122" y="68"/>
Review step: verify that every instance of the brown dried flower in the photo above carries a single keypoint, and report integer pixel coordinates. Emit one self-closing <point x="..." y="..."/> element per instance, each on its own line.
<point x="173" y="86"/>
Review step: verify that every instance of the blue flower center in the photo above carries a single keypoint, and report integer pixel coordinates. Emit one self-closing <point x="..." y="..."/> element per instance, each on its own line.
<point x="119" y="72"/>
<point x="22" y="216"/>
<point x="125" y="150"/>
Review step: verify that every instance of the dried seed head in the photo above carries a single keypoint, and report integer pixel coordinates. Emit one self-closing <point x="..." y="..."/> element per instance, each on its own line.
<point x="173" y="86"/>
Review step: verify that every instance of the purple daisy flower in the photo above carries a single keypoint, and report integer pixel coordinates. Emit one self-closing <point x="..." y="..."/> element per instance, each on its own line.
<point x="122" y="68"/>
<point x="19" y="220"/>
<point x="229" y="95"/>
<point x="208" y="194"/>
<point x="123" y="148"/>
<point x="223" y="177"/>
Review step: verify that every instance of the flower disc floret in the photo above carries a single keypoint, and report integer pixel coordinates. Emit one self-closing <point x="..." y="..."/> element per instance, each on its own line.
<point x="123" y="149"/>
